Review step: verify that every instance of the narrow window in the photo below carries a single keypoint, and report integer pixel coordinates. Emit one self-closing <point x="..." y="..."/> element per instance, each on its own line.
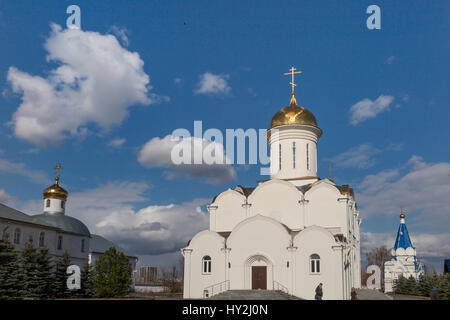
<point x="47" y="203"/>
<point x="315" y="263"/>
<point x="62" y="204"/>
<point x="206" y="265"/>
<point x="17" y="236"/>
<point x="60" y="240"/>
<point x="279" y="156"/>
<point x="82" y="245"/>
<point x="41" y="239"/>
<point x="293" y="155"/>
<point x="307" y="156"/>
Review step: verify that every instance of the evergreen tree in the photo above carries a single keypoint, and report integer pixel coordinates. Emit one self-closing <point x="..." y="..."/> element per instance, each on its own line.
<point x="87" y="281"/>
<point x="443" y="286"/>
<point x="9" y="270"/>
<point x="60" y="284"/>
<point x="45" y="276"/>
<point x="112" y="274"/>
<point x="28" y="268"/>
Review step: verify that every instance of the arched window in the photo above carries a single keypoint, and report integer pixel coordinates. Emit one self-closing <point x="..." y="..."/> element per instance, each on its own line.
<point x="47" y="203"/>
<point x="314" y="263"/>
<point x="60" y="240"/>
<point x="41" y="239"/>
<point x="17" y="236"/>
<point x="82" y="245"/>
<point x="206" y="264"/>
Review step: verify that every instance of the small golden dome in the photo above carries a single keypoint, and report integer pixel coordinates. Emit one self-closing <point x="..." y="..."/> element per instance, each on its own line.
<point x="402" y="215"/>
<point x="293" y="114"/>
<point x="55" y="191"/>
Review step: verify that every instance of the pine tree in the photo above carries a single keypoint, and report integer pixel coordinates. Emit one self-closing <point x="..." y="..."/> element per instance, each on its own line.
<point x="29" y="270"/>
<point x="443" y="286"/>
<point x="411" y="286"/>
<point x="112" y="274"/>
<point x="9" y="270"/>
<point x="60" y="284"/>
<point x="87" y="282"/>
<point x="45" y="274"/>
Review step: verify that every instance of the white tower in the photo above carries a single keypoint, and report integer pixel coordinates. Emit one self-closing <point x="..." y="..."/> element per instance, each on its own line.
<point x="293" y="136"/>
<point x="55" y="196"/>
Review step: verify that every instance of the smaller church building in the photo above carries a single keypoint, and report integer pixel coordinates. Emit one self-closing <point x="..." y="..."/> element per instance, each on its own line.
<point x="404" y="261"/>
<point x="55" y="230"/>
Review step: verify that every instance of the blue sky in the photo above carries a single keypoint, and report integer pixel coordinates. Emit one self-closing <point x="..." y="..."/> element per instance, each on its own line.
<point x="393" y="81"/>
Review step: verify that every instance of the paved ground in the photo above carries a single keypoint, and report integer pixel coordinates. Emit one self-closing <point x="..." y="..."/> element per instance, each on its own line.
<point x="369" y="294"/>
<point x="253" y="295"/>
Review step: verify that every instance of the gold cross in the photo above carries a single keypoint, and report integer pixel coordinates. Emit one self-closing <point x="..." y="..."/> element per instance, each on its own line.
<point x="329" y="167"/>
<point x="57" y="168"/>
<point x="292" y="74"/>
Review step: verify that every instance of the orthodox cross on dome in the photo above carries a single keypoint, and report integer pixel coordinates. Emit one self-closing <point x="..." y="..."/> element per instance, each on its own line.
<point x="57" y="168"/>
<point x="292" y="72"/>
<point x="329" y="167"/>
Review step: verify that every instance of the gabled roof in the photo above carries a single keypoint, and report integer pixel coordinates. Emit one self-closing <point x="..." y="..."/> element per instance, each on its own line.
<point x="402" y="240"/>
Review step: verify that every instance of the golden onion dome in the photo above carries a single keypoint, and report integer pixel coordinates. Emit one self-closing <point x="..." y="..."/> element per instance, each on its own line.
<point x="293" y="114"/>
<point x="55" y="191"/>
<point x="402" y="215"/>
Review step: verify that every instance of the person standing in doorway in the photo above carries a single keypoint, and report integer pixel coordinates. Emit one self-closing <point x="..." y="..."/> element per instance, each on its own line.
<point x="319" y="292"/>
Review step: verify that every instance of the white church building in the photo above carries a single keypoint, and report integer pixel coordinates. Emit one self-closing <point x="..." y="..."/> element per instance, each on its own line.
<point x="288" y="233"/>
<point x="404" y="261"/>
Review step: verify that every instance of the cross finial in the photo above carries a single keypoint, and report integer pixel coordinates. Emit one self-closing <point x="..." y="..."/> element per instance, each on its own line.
<point x="57" y="168"/>
<point x="292" y="72"/>
<point x="329" y="167"/>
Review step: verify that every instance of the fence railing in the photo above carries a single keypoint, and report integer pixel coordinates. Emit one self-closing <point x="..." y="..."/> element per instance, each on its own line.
<point x="216" y="289"/>
<point x="278" y="286"/>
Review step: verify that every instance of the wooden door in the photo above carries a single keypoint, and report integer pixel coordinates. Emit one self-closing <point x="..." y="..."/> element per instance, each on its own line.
<point x="259" y="277"/>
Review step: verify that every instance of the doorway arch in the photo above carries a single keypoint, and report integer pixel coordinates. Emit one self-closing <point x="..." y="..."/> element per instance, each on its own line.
<point x="258" y="272"/>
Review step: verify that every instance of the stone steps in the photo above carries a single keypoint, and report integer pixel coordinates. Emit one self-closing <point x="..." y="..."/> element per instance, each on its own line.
<point x="253" y="295"/>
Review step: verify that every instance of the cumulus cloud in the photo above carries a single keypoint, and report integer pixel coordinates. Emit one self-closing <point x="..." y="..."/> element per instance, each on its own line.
<point x="168" y="151"/>
<point x="21" y="169"/>
<point x="95" y="82"/>
<point x="121" y="33"/>
<point x="422" y="188"/>
<point x="367" y="109"/>
<point x="117" y="142"/>
<point x="210" y="83"/>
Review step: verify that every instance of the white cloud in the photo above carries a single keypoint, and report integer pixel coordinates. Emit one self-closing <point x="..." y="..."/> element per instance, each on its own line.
<point x="157" y="153"/>
<point x="21" y="169"/>
<point x="366" y="108"/>
<point x="361" y="157"/>
<point x="117" y="142"/>
<point x="96" y="82"/>
<point x="122" y="34"/>
<point x="422" y="188"/>
<point x="177" y="81"/>
<point x="390" y="60"/>
<point x="210" y="83"/>
<point x="6" y="198"/>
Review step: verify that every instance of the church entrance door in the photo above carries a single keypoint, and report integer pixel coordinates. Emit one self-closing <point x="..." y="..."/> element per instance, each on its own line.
<point x="259" y="277"/>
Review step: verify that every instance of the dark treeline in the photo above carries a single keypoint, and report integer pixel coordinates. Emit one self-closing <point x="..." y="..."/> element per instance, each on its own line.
<point x="33" y="273"/>
<point x="424" y="286"/>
